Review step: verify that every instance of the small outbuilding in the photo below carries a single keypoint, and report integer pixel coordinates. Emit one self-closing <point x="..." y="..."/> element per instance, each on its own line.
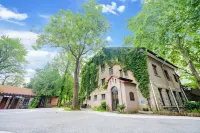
<point x="12" y="97"/>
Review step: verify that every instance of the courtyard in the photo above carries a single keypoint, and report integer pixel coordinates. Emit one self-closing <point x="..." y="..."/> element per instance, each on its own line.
<point x="56" y="120"/>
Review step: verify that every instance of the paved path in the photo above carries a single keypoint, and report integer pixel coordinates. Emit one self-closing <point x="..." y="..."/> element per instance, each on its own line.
<point x="59" y="121"/>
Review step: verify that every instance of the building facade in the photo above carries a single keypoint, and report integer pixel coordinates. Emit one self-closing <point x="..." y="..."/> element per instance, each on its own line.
<point x="15" y="98"/>
<point x="122" y="88"/>
<point x="20" y="98"/>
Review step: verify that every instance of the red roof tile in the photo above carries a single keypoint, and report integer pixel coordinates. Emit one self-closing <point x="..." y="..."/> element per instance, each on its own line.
<point x="15" y="90"/>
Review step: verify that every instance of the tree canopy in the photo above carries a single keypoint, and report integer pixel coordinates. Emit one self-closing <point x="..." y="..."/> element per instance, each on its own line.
<point x="77" y="33"/>
<point x="170" y="28"/>
<point x="47" y="81"/>
<point x="12" y="59"/>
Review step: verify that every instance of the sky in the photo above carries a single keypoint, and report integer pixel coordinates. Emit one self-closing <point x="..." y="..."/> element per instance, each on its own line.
<point x="17" y="17"/>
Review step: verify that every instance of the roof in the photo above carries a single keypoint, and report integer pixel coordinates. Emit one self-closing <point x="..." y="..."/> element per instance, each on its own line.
<point x="12" y="90"/>
<point x="145" y="49"/>
<point x="160" y="57"/>
<point x="122" y="79"/>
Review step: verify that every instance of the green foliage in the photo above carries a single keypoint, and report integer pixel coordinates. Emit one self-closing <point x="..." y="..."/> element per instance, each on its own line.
<point x="103" y="105"/>
<point x="101" y="108"/>
<point x="134" y="60"/>
<point x="170" y="28"/>
<point x="145" y="109"/>
<point x="105" y="85"/>
<point x="120" y="108"/>
<point x="46" y="81"/>
<point x="192" y="105"/>
<point x="35" y="102"/>
<point x="193" y="111"/>
<point x="12" y="59"/>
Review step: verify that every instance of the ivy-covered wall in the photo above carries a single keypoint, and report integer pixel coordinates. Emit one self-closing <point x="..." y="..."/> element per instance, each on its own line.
<point x="134" y="60"/>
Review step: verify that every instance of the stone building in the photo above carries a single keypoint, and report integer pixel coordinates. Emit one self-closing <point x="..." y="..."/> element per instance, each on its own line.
<point x="122" y="87"/>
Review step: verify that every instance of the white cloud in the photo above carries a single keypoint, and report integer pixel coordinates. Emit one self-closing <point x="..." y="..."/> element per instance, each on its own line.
<point x="38" y="59"/>
<point x="108" y="38"/>
<point x="27" y="38"/>
<point x="15" y="22"/>
<point x="11" y="16"/>
<point x="133" y="0"/>
<point x="113" y="8"/>
<point x="109" y="8"/>
<point x="122" y="0"/>
<point x="45" y="16"/>
<point x="29" y="74"/>
<point x="121" y="8"/>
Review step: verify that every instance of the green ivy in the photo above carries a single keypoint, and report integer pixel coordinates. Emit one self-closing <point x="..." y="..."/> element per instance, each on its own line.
<point x="134" y="60"/>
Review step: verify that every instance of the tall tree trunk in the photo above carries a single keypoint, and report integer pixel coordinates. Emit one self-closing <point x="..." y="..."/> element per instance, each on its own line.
<point x="76" y="84"/>
<point x="193" y="70"/>
<point x="190" y="63"/>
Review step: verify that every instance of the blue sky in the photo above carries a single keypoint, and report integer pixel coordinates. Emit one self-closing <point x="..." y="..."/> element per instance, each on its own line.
<point x="17" y="18"/>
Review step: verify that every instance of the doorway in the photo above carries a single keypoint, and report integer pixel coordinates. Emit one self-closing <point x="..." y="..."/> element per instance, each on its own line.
<point x="3" y="102"/>
<point x="115" y="100"/>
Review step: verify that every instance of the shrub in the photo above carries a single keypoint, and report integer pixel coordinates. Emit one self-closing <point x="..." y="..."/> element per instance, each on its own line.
<point x="120" y="108"/>
<point x="192" y="105"/>
<point x="35" y="102"/>
<point x="145" y="109"/>
<point x="103" y="105"/>
<point x="193" y="111"/>
<point x="101" y="108"/>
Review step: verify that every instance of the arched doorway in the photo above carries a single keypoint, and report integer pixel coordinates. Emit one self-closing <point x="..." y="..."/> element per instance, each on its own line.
<point x="115" y="100"/>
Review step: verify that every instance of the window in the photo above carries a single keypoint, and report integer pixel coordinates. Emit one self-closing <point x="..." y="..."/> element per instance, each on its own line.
<point x="174" y="92"/>
<point x="121" y="73"/>
<point x="125" y="73"/>
<point x="167" y="91"/>
<point x="161" y="96"/>
<point x="102" y="68"/>
<point x="131" y="94"/>
<point x="95" y="97"/>
<point x="103" y="96"/>
<point x="49" y="100"/>
<point x="181" y="97"/>
<point x="103" y="81"/>
<point x="110" y="70"/>
<point x="89" y="98"/>
<point x="155" y="69"/>
<point x="167" y="75"/>
<point x="115" y="81"/>
<point x="175" y="78"/>
<point x="26" y="101"/>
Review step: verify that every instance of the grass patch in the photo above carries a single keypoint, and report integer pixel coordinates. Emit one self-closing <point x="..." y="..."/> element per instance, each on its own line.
<point x="68" y="109"/>
<point x="100" y="109"/>
<point x="192" y="114"/>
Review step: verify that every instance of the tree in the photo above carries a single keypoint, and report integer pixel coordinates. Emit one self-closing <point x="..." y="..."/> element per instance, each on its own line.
<point x="65" y="66"/>
<point x="78" y="34"/>
<point x="15" y="79"/>
<point x="47" y="81"/>
<point x="171" y="29"/>
<point x="12" y="59"/>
